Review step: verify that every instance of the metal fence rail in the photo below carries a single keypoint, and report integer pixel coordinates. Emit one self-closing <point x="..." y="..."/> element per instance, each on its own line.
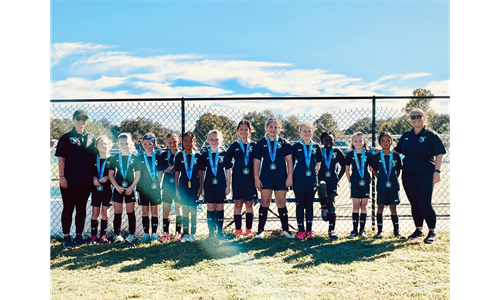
<point x="161" y="116"/>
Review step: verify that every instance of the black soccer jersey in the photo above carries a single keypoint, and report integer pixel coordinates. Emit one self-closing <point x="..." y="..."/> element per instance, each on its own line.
<point x="104" y="165"/>
<point x="382" y="175"/>
<point x="115" y="166"/>
<point x="242" y="173"/>
<point x="336" y="168"/>
<point x="146" y="181"/>
<point x="269" y="170"/>
<point x="180" y="166"/>
<point x="212" y="182"/>
<point x="168" y="178"/>
<point x="355" y="176"/>
<point x="304" y="175"/>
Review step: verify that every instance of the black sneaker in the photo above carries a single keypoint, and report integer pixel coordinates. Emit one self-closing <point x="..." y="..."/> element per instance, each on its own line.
<point x="379" y="235"/>
<point x="78" y="241"/>
<point x="67" y="243"/>
<point x="416" y="234"/>
<point x="399" y="235"/>
<point x="352" y="235"/>
<point x="431" y="238"/>
<point x="333" y="236"/>
<point x="324" y="215"/>
<point x="362" y="234"/>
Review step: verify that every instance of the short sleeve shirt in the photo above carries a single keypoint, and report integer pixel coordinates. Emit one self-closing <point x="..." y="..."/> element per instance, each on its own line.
<point x="146" y="179"/>
<point x="238" y="154"/>
<point x="180" y="166"/>
<point x="382" y="175"/>
<point x="223" y="164"/>
<point x="337" y="160"/>
<point x="168" y="162"/>
<point x="114" y="165"/>
<point x="300" y="177"/>
<point x="350" y="161"/>
<point x="262" y="153"/>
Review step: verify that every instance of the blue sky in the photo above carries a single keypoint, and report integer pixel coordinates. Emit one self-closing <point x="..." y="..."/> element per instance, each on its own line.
<point x="114" y="49"/>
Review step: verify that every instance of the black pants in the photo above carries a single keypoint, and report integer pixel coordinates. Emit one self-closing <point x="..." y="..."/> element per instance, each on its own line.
<point x="420" y="196"/>
<point x="304" y="200"/>
<point x="74" y="197"/>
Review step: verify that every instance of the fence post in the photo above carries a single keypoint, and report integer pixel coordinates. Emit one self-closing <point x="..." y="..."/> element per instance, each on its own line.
<point x="183" y="116"/>
<point x="373" y="179"/>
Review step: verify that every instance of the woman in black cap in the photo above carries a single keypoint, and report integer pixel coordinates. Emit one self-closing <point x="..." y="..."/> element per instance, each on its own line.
<point x="421" y="171"/>
<point x="77" y="154"/>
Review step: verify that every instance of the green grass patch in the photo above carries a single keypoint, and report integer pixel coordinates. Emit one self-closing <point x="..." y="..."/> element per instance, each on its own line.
<point x="275" y="268"/>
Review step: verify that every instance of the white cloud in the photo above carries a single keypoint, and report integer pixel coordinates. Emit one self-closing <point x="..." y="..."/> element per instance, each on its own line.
<point x="60" y="50"/>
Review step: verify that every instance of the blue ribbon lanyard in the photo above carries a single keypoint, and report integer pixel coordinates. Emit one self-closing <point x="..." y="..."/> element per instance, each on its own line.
<point x="189" y="167"/>
<point x="213" y="165"/>
<point x="327" y="158"/>
<point x="361" y="169"/>
<point x="100" y="169"/>
<point x="152" y="169"/>
<point x="272" y="152"/>
<point x="390" y="164"/>
<point x="169" y="154"/>
<point x="247" y="153"/>
<point x="124" y="174"/>
<point x="307" y="154"/>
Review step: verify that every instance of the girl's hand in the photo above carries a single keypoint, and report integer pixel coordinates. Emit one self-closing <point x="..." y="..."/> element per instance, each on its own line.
<point x="289" y="182"/>
<point x="199" y="192"/>
<point x="96" y="182"/>
<point x="129" y="191"/>
<point x="258" y="184"/>
<point x="63" y="182"/>
<point x="177" y="194"/>
<point x="202" y="192"/>
<point x="169" y="169"/>
<point x="228" y="190"/>
<point x="437" y="178"/>
<point x="104" y="179"/>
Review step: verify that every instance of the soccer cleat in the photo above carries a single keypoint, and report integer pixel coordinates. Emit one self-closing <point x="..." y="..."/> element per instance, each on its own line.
<point x="154" y="237"/>
<point x="67" y="243"/>
<point x="185" y="238"/>
<point x="119" y="239"/>
<point x="333" y="236"/>
<point x="177" y="236"/>
<point x="324" y="215"/>
<point x="249" y="233"/>
<point x="352" y="235"/>
<point x="78" y="241"/>
<point x="93" y="240"/>
<point x="145" y="238"/>
<point x="309" y="235"/>
<point x="362" y="234"/>
<point x="103" y="239"/>
<point x="400" y="236"/>
<point x="379" y="235"/>
<point x="301" y="235"/>
<point x="287" y="234"/>
<point x="431" y="237"/>
<point x="191" y="238"/>
<point x="165" y="237"/>
<point x="238" y="233"/>
<point x="130" y="238"/>
<point x="416" y="234"/>
<point x="260" y="235"/>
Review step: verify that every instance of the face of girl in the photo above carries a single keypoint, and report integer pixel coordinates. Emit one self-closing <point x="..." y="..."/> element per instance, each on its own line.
<point x="385" y="142"/>
<point x="187" y="143"/>
<point x="103" y="145"/>
<point x="273" y="129"/>
<point x="80" y="122"/>
<point x="148" y="145"/>
<point x="124" y="144"/>
<point x="243" y="131"/>
<point x="417" y="123"/>
<point x="306" y="132"/>
<point x="172" y="143"/>
<point x="213" y="140"/>
<point x="358" y="142"/>
<point x="328" y="141"/>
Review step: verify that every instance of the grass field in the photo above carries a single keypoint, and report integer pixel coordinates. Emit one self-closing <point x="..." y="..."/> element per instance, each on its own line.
<point x="272" y="268"/>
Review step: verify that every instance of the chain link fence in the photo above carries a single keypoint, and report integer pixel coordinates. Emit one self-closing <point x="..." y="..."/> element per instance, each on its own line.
<point x="162" y="117"/>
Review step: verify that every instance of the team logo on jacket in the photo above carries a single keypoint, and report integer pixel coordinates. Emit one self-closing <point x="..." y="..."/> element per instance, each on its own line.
<point x="279" y="145"/>
<point x="422" y="139"/>
<point x="334" y="155"/>
<point x="221" y="159"/>
<point x="74" y="140"/>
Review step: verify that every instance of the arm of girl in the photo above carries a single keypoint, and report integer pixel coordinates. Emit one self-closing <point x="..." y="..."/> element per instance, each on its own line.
<point x="200" y="189"/>
<point x="437" y="176"/>
<point x="256" y="167"/>
<point x="228" y="181"/>
<point x="62" y="180"/>
<point x="111" y="174"/>
<point x="104" y="179"/>
<point x="289" y="166"/>
<point x="130" y="189"/>
<point x="347" y="174"/>
<point x="95" y="181"/>
<point x="176" y="178"/>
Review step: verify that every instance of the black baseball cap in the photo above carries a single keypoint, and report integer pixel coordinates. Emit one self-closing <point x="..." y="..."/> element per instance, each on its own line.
<point x="80" y="112"/>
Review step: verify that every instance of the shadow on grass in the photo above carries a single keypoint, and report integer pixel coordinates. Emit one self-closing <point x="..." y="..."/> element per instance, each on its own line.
<point x="178" y="255"/>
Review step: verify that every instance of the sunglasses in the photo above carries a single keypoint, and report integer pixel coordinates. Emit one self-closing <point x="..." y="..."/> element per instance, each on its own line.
<point x="416" y="117"/>
<point x="81" y="118"/>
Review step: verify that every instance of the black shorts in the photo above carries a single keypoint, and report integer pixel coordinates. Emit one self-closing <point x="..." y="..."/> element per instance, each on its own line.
<point x="101" y="197"/>
<point x="246" y="192"/>
<point x="188" y="197"/>
<point x="117" y="197"/>
<point x="168" y="195"/>
<point x="276" y="184"/>
<point x="214" y="196"/>
<point x="388" y="198"/>
<point x="359" y="192"/>
<point x="151" y="197"/>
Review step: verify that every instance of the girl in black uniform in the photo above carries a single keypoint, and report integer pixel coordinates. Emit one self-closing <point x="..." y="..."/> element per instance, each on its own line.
<point x="273" y="171"/>
<point x="124" y="174"/>
<point x="149" y="186"/>
<point x="421" y="171"/>
<point x="307" y="158"/>
<point x="387" y="167"/>
<point x="101" y="194"/>
<point x="243" y="183"/>
<point x="188" y="169"/>
<point x="359" y="159"/>
<point x="333" y="160"/>
<point x="216" y="183"/>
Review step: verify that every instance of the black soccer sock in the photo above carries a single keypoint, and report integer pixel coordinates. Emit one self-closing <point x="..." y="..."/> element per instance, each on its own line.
<point x="145" y="224"/>
<point x="237" y="221"/>
<point x="220" y="221"/>
<point x="395" y="222"/>
<point x="178" y="224"/>
<point x="154" y="224"/>
<point x="355" y="219"/>
<point x="249" y="220"/>
<point x="323" y="203"/>
<point x="132" y="222"/>
<point x="117" y="224"/>
<point x="309" y="205"/>
<point x="185" y="224"/>
<point x="362" y="221"/>
<point x="262" y="217"/>
<point x="166" y="225"/>
<point x="283" y="213"/>
<point x="93" y="227"/>
<point x="194" y="220"/>
<point x="299" y="213"/>
<point x="211" y="222"/>
<point x="331" y="221"/>
<point x="104" y="227"/>
<point x="379" y="222"/>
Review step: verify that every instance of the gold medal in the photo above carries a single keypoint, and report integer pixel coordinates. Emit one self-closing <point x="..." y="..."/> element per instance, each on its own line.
<point x="189" y="184"/>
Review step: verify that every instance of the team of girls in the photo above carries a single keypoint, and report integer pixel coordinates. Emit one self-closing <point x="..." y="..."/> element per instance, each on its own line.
<point x="270" y="165"/>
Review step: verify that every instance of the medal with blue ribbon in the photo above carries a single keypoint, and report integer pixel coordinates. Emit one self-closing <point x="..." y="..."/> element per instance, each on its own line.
<point x="246" y="170"/>
<point x="388" y="182"/>
<point x="213" y="165"/>
<point x="361" y="168"/>
<point x="189" y="167"/>
<point x="169" y="154"/>
<point x="272" y="152"/>
<point x="152" y="169"/>
<point x="100" y="170"/>
<point x="307" y="156"/>
<point x="328" y="160"/>
<point x="124" y="173"/>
